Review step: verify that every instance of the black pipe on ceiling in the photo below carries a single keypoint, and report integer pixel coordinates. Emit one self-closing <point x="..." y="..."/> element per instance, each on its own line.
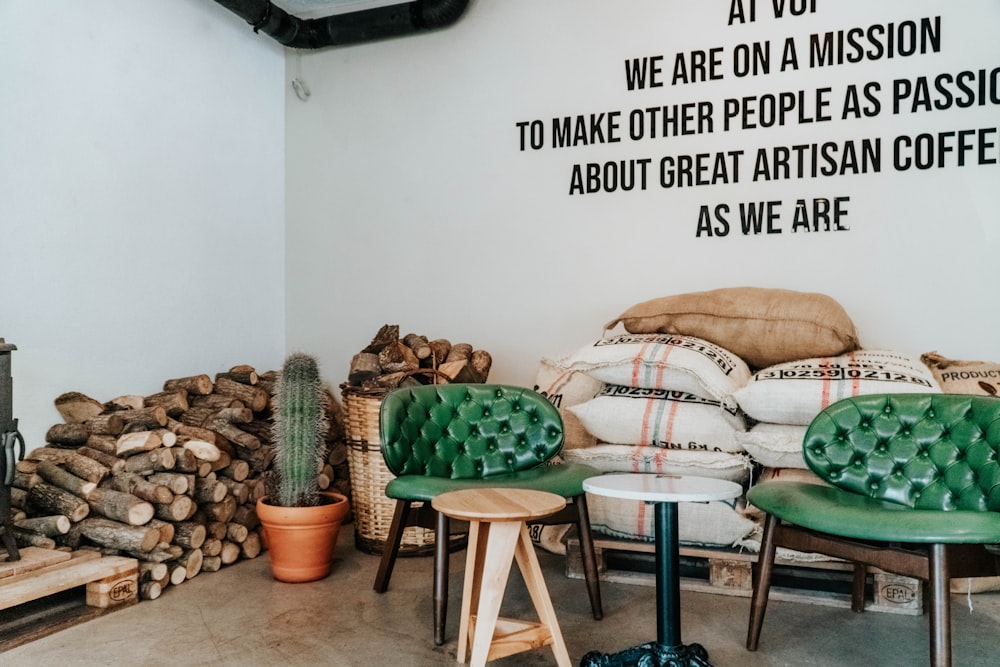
<point x="351" y="28"/>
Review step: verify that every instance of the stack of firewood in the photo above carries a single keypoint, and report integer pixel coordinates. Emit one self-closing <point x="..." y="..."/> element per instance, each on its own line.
<point x="170" y="479"/>
<point x="389" y="361"/>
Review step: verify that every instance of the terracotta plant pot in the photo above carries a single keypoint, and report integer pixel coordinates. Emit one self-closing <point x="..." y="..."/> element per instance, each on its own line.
<point x="300" y="540"/>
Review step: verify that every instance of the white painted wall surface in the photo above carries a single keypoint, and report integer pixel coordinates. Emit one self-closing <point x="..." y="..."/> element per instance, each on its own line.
<point x="141" y="197"/>
<point x="410" y="202"/>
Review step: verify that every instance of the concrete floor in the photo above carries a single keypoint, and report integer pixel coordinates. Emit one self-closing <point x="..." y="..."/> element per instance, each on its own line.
<point x="240" y="616"/>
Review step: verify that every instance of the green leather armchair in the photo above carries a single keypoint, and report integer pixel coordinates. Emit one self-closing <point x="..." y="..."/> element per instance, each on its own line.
<point x="914" y="490"/>
<point x="439" y="438"/>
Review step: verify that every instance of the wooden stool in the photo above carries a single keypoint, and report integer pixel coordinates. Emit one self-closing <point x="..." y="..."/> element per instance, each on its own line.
<point x="497" y="535"/>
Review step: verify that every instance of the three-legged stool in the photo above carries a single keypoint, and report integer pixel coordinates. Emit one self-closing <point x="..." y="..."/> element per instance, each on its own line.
<point x="497" y="536"/>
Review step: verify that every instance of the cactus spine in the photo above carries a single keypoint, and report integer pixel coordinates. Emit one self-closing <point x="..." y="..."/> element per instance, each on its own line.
<point x="300" y="425"/>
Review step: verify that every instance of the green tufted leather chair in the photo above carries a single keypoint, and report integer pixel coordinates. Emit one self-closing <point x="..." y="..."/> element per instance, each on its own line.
<point x="439" y="438"/>
<point x="915" y="490"/>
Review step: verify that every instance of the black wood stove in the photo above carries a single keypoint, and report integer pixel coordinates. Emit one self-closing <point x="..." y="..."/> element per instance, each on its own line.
<point x="10" y="439"/>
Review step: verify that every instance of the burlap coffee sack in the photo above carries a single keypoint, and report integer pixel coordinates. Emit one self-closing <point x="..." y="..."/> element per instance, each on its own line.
<point x="631" y="458"/>
<point x="658" y="418"/>
<point x="964" y="377"/>
<point x="663" y="361"/>
<point x="795" y="392"/>
<point x="762" y="326"/>
<point x="565" y="388"/>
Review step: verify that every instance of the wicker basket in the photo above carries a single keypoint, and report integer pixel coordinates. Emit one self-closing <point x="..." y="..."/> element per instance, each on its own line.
<point x="373" y="510"/>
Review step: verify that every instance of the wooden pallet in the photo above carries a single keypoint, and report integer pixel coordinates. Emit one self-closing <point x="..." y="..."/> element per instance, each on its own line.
<point x="728" y="572"/>
<point x="48" y="590"/>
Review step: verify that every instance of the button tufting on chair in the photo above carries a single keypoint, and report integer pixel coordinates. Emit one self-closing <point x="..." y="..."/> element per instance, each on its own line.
<point x="929" y="518"/>
<point x="440" y="438"/>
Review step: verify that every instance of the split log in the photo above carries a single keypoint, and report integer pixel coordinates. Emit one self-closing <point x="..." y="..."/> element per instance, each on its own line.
<point x="216" y="402"/>
<point x="234" y="415"/>
<point x="181" y="508"/>
<point x="75" y="407"/>
<point x="211" y="547"/>
<point x="141" y="488"/>
<point x="230" y="553"/>
<point x="144" y="419"/>
<point x="191" y="560"/>
<point x="56" y="524"/>
<point x="211" y="563"/>
<point x="126" y="402"/>
<point x="173" y="401"/>
<point x="150" y="590"/>
<point x="55" y="475"/>
<point x="197" y="384"/>
<point x="186" y="461"/>
<point x="26" y="538"/>
<point x="388" y="334"/>
<point x="419" y="344"/>
<point x="19" y="499"/>
<point x="240" y="491"/>
<point x="236" y="532"/>
<point x="251" y="546"/>
<point x="244" y="375"/>
<point x="25" y="480"/>
<point x="189" y="534"/>
<point x="161" y="553"/>
<point x="167" y="529"/>
<point x="238" y="470"/>
<point x="208" y="490"/>
<point x="176" y="482"/>
<point x="145" y="463"/>
<point x="457" y="371"/>
<point x="103" y="443"/>
<point x="44" y="498"/>
<point x="440" y="347"/>
<point x="364" y="366"/>
<point x="120" y="506"/>
<point x="481" y="362"/>
<point x="195" y="432"/>
<point x="202" y="449"/>
<point x="397" y="358"/>
<point x="253" y="397"/>
<point x="67" y="435"/>
<point x="178" y="573"/>
<point x="117" y="535"/>
<point x="259" y="460"/>
<point x="114" y="464"/>
<point x="197" y="417"/>
<point x="109" y="423"/>
<point x="167" y="437"/>
<point x="235" y="435"/>
<point x="216" y="530"/>
<point x="137" y="441"/>
<point x="223" y="510"/>
<point x="225" y="458"/>
<point x="151" y="571"/>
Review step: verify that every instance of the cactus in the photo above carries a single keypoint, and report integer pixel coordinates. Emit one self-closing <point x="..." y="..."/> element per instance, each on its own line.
<point x="299" y="431"/>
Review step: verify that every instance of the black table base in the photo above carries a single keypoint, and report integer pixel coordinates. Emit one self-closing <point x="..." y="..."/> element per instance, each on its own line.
<point x="650" y="655"/>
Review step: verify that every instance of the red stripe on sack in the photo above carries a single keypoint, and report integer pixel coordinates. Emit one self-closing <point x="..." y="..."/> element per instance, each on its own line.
<point x="855" y="382"/>
<point x="825" y="396"/>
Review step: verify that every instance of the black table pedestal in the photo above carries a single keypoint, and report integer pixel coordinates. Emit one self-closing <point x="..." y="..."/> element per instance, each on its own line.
<point x="667" y="650"/>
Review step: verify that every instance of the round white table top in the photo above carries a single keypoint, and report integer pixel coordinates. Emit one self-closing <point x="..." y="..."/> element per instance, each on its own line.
<point x="662" y="488"/>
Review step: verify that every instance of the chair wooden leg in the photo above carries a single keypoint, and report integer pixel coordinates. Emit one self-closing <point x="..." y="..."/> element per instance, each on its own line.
<point x="441" y="567"/>
<point x="940" y="620"/>
<point x="762" y="582"/>
<point x="588" y="556"/>
<point x="858" y="587"/>
<point x="391" y="548"/>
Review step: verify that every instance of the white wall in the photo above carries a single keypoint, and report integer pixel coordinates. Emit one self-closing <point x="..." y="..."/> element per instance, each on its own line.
<point x="142" y="197"/>
<point x="410" y="202"/>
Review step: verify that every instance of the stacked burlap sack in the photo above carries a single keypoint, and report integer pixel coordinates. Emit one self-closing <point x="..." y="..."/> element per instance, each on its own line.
<point x="716" y="384"/>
